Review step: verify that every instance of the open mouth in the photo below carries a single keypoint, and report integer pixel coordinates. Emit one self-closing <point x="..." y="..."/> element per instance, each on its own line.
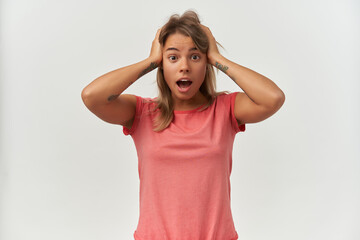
<point x="184" y="83"/>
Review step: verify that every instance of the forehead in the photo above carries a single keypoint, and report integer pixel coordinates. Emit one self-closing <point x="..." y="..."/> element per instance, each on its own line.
<point x="178" y="40"/>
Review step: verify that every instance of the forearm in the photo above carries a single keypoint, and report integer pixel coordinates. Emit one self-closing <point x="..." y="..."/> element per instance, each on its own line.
<point x="258" y="88"/>
<point x="107" y="87"/>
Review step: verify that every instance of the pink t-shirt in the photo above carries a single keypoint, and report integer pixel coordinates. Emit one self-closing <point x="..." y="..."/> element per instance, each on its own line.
<point x="185" y="172"/>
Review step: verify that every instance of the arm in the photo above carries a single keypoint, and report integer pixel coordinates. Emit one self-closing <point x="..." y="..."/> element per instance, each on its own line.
<point x="103" y="96"/>
<point x="262" y="97"/>
<point x="107" y="87"/>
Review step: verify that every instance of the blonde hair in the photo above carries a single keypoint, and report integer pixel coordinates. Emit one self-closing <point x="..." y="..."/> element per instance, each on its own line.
<point x="189" y="25"/>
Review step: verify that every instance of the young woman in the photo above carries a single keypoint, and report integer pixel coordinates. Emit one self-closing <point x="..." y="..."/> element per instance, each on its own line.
<point x="184" y="137"/>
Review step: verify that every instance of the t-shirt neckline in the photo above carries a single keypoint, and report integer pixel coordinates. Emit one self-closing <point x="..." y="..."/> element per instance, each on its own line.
<point x="188" y="111"/>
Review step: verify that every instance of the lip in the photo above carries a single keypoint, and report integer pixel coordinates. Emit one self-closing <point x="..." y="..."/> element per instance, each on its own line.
<point x="184" y="78"/>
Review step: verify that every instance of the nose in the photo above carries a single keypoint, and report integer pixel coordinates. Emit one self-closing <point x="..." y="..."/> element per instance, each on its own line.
<point x="184" y="65"/>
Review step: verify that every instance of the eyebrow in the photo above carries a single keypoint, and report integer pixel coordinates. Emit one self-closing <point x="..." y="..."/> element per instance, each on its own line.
<point x="172" y="48"/>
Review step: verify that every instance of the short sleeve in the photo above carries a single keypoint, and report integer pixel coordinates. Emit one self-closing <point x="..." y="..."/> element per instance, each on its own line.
<point x="237" y="127"/>
<point x="138" y="111"/>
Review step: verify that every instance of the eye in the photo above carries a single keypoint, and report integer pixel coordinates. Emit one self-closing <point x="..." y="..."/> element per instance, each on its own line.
<point x="172" y="58"/>
<point x="195" y="57"/>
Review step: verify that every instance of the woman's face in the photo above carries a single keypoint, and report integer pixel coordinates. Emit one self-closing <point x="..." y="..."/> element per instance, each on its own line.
<point x="183" y="62"/>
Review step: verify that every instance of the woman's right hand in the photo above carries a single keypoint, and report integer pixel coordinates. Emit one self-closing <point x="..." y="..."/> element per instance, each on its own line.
<point x="156" y="49"/>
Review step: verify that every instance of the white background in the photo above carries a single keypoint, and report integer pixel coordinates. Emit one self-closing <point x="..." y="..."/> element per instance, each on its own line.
<point x="66" y="174"/>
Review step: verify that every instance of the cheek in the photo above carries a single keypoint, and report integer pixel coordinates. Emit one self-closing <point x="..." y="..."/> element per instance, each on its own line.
<point x="169" y="69"/>
<point x="201" y="70"/>
<point x="168" y="74"/>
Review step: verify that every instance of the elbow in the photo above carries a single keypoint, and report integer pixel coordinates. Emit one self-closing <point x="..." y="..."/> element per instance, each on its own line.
<point x="85" y="93"/>
<point x="86" y="96"/>
<point x="279" y="99"/>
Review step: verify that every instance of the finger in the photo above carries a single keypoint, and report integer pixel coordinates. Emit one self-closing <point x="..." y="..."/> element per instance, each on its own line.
<point x="157" y="33"/>
<point x="206" y="30"/>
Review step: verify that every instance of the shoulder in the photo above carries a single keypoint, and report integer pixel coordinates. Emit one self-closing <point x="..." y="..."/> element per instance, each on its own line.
<point x="226" y="96"/>
<point x="226" y="100"/>
<point x="142" y="101"/>
<point x="226" y="104"/>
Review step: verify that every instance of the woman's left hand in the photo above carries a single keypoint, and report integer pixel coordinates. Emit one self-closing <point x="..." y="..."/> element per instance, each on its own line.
<point x="213" y="51"/>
